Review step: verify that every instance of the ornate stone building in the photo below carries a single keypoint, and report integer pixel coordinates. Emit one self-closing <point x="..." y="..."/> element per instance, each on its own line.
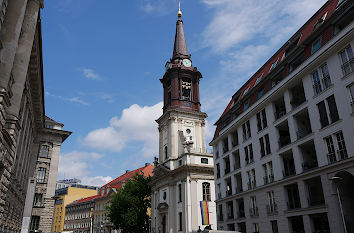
<point x="22" y="113"/>
<point x="183" y="181"/>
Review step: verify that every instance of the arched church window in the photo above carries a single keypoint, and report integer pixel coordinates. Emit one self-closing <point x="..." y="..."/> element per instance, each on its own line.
<point x="206" y="191"/>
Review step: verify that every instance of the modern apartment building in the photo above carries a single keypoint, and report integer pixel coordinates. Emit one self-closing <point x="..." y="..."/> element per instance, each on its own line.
<point x="283" y="148"/>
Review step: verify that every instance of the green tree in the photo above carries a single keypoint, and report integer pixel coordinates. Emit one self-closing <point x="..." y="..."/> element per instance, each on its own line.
<point x="129" y="206"/>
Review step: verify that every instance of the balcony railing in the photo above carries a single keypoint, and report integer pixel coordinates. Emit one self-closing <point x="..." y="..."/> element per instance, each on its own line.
<point x="241" y="214"/>
<point x="297" y="101"/>
<point x="293" y="205"/>
<point x="309" y="165"/>
<point x="303" y="132"/>
<point x="227" y="170"/>
<point x="279" y="114"/>
<point x="225" y="148"/>
<point x="284" y="140"/>
<point x="268" y="179"/>
<point x="315" y="201"/>
<point x="342" y="153"/>
<point x="237" y="166"/>
<point x="251" y="184"/>
<point x="254" y="212"/>
<point x="272" y="209"/>
<point x="228" y="192"/>
<point x="289" y="172"/>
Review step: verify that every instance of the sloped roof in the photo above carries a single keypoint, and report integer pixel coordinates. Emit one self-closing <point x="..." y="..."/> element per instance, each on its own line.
<point x="119" y="181"/>
<point x="304" y="32"/>
<point x="83" y="200"/>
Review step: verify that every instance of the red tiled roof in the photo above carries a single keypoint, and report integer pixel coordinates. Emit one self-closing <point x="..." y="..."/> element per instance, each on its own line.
<point x="86" y="199"/>
<point x="118" y="182"/>
<point x="305" y="31"/>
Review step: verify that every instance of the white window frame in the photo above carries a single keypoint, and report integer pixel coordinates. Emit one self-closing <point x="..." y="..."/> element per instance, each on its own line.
<point x="348" y="60"/>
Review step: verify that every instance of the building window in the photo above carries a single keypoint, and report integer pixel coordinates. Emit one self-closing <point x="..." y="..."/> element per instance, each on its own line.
<point x="268" y="172"/>
<point x="265" y="145"/>
<point x="246" y="105"/>
<point x="251" y="179"/>
<point x="260" y="93"/>
<point x="261" y="120"/>
<point x="329" y="106"/>
<point x="34" y="223"/>
<point x="246" y="129"/>
<point x="316" y="45"/>
<point x="206" y="191"/>
<point x="255" y="228"/>
<point x="321" y="79"/>
<point x="204" y="161"/>
<point x="217" y="170"/>
<point x="273" y="65"/>
<point x="347" y="60"/>
<point x="180" y="222"/>
<point x="254" y="208"/>
<point x="259" y="78"/>
<point x="38" y="197"/>
<point x="179" y="192"/>
<point x="245" y="91"/>
<point x="274" y="224"/>
<point x="249" y="154"/>
<point x="41" y="174"/>
<point x="44" y="151"/>
<point x="351" y="95"/>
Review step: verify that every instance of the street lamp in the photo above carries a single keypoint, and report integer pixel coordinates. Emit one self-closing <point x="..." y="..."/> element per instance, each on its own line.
<point x="336" y="180"/>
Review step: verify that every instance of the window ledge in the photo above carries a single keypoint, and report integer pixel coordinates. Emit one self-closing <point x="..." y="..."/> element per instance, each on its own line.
<point x="323" y="91"/>
<point x="262" y="130"/>
<point x="330" y="125"/>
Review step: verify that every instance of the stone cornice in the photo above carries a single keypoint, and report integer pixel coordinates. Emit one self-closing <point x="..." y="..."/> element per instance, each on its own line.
<point x="172" y="112"/>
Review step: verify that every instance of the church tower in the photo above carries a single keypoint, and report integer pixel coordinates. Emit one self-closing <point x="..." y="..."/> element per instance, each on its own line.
<point x="183" y="183"/>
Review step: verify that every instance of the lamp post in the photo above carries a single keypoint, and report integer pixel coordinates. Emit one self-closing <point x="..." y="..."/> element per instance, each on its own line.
<point x="336" y="180"/>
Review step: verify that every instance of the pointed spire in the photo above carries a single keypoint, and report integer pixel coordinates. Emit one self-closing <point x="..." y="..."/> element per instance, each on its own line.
<point x="180" y="47"/>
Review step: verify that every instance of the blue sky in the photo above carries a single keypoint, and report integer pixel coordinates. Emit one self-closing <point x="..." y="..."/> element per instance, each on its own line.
<point x="103" y="61"/>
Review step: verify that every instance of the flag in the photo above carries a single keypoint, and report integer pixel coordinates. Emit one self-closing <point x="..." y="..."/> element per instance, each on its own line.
<point x="205" y="212"/>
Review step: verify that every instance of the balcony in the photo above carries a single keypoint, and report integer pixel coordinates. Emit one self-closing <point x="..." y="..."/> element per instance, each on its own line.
<point x="228" y="192"/>
<point x="241" y="214"/>
<point x="220" y="217"/>
<point x="272" y="209"/>
<point x="293" y="205"/>
<point x="219" y="195"/>
<point x="227" y="170"/>
<point x="239" y="189"/>
<point x="298" y="96"/>
<point x="283" y="141"/>
<point x="315" y="201"/>
<point x="288" y="173"/>
<point x="280" y="109"/>
<point x="309" y="165"/>
<point x="303" y="133"/>
<point x="254" y="212"/>
<point x="268" y="179"/>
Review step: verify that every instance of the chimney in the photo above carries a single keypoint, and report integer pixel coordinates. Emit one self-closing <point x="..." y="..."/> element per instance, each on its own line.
<point x="126" y="171"/>
<point x="147" y="164"/>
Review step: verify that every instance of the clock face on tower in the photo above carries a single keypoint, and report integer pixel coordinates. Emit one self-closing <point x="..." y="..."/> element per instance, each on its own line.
<point x="187" y="62"/>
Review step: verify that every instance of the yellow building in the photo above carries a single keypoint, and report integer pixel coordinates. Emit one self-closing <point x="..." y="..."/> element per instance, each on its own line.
<point x="66" y="196"/>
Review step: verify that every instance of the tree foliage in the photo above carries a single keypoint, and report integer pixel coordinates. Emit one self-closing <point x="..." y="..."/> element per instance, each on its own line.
<point x="129" y="206"/>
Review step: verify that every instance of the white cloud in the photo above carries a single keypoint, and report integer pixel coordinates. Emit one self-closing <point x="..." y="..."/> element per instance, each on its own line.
<point x="245" y="34"/>
<point x="91" y="74"/>
<point x="136" y="124"/>
<point x="74" y="99"/>
<point x="160" y="7"/>
<point x="76" y="164"/>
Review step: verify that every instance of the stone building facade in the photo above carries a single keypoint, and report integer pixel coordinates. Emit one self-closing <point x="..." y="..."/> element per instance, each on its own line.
<point x="183" y="182"/>
<point x="51" y="139"/>
<point x="21" y="105"/>
<point x="283" y="148"/>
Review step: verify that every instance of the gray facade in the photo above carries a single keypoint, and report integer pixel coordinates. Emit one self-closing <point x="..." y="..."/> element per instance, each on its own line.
<point x="285" y="163"/>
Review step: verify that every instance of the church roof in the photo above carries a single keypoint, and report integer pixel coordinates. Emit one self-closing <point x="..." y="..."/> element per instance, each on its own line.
<point x="180" y="50"/>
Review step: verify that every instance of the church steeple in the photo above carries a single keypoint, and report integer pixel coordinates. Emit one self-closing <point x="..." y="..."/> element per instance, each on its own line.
<point x="180" y="50"/>
<point x="181" y="80"/>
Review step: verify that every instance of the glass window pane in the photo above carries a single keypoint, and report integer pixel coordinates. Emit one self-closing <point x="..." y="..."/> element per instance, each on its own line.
<point x="323" y="114"/>
<point x="349" y="52"/>
<point x="333" y="109"/>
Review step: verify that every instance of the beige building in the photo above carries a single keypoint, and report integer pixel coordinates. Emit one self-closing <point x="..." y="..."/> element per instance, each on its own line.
<point x="52" y="136"/>
<point x="65" y="196"/>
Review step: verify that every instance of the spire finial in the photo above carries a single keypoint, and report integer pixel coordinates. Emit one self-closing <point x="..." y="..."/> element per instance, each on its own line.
<point x="179" y="14"/>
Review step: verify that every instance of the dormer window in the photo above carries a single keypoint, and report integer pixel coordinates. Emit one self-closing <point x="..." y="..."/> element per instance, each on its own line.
<point x="245" y="106"/>
<point x="245" y="91"/>
<point x="320" y="21"/>
<point x="273" y="65"/>
<point x="259" y="78"/>
<point x="316" y="45"/>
